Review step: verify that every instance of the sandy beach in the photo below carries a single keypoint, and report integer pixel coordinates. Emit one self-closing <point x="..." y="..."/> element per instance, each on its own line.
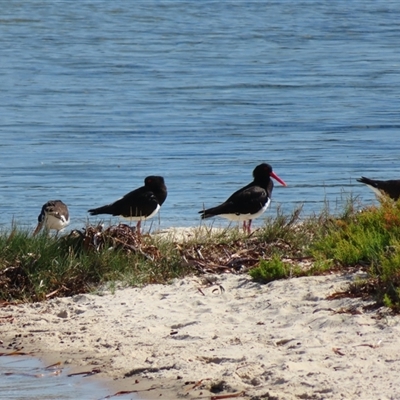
<point x="220" y="335"/>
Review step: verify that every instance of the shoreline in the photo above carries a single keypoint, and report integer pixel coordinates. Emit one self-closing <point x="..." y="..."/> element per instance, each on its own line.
<point x="224" y="334"/>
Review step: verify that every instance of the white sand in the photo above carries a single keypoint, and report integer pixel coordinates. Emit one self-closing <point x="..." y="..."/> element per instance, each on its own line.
<point x="283" y="339"/>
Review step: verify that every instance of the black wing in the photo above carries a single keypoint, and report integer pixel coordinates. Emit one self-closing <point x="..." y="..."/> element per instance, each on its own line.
<point x="248" y="200"/>
<point x="139" y="202"/>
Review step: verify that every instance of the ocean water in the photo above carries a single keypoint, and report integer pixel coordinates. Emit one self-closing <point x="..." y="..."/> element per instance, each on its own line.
<point x="95" y="95"/>
<point x="25" y="378"/>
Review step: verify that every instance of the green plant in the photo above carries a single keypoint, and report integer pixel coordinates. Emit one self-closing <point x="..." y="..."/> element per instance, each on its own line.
<point x="40" y="267"/>
<point x="270" y="270"/>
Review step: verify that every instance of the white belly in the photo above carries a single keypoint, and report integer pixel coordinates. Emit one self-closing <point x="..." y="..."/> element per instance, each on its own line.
<point x="56" y="223"/>
<point x="142" y="218"/>
<point x="246" y="217"/>
<point x="376" y="191"/>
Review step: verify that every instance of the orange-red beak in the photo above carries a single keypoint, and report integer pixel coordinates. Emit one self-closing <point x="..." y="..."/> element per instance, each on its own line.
<point x="281" y="181"/>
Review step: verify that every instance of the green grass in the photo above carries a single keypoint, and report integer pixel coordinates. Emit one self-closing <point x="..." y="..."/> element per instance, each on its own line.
<point x="271" y="270"/>
<point x="35" y="268"/>
<point x="41" y="267"/>
<point x="369" y="239"/>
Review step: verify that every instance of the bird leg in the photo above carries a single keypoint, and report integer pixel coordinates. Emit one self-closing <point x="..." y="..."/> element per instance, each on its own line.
<point x="138" y="227"/>
<point x="249" y="226"/>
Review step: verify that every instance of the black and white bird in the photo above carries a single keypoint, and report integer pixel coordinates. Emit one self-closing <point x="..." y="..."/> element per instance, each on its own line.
<point x="54" y="215"/>
<point x="389" y="188"/>
<point x="140" y="204"/>
<point x="248" y="202"/>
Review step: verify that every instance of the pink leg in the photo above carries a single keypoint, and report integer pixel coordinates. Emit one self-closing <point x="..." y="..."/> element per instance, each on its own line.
<point x="249" y="227"/>
<point x="138" y="228"/>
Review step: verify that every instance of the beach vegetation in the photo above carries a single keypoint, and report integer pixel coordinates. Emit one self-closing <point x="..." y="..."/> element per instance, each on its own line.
<point x="271" y="270"/>
<point x="367" y="240"/>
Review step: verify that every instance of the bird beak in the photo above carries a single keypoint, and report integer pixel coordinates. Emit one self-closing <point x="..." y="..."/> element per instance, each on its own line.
<point x="282" y="182"/>
<point x="38" y="228"/>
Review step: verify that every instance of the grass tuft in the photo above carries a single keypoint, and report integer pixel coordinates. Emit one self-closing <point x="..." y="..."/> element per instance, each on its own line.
<point x="270" y="270"/>
<point x="36" y="268"/>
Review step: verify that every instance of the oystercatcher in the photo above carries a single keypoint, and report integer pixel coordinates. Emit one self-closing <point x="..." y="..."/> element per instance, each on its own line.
<point x="54" y="215"/>
<point x="389" y="188"/>
<point x="140" y="204"/>
<point x="250" y="201"/>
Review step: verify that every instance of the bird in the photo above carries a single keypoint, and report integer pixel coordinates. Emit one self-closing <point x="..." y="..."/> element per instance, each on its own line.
<point x="139" y="204"/>
<point x="248" y="202"/>
<point x="54" y="215"/>
<point x="389" y="188"/>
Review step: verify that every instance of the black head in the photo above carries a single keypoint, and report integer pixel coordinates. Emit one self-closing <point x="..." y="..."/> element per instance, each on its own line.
<point x="264" y="171"/>
<point x="154" y="182"/>
<point x="157" y="185"/>
<point x="261" y="171"/>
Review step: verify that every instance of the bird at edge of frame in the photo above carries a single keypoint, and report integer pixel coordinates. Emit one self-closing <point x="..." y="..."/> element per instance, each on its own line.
<point x="249" y="202"/>
<point x="138" y="205"/>
<point x="53" y="216"/>
<point x="381" y="188"/>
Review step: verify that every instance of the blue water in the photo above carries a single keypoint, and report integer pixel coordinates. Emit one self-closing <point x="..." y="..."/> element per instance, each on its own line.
<point x="95" y="95"/>
<point x="25" y="378"/>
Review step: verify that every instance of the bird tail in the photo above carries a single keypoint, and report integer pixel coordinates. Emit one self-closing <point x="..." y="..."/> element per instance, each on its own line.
<point x="367" y="181"/>
<point x="211" y="212"/>
<point x="100" y="210"/>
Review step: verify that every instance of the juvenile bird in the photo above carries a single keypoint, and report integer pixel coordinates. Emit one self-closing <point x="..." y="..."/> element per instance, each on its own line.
<point x="54" y="215"/>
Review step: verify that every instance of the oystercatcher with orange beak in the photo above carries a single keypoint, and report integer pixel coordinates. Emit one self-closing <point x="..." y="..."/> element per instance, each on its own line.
<point x="249" y="202"/>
